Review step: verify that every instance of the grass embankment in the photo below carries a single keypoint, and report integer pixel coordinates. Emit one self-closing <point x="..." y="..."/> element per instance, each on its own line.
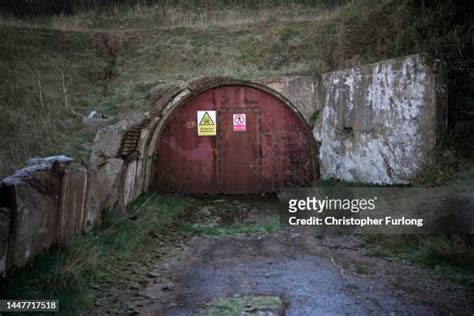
<point x="67" y="274"/>
<point x="450" y="257"/>
<point x="114" y="60"/>
<point x="55" y="69"/>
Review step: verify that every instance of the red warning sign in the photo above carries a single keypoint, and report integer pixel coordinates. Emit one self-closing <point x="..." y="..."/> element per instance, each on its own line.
<point x="240" y="123"/>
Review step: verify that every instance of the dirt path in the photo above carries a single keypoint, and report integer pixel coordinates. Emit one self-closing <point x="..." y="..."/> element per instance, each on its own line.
<point x="311" y="275"/>
<point x="271" y="265"/>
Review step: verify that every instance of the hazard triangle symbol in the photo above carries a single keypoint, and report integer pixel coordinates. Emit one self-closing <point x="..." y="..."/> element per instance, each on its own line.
<point x="206" y="120"/>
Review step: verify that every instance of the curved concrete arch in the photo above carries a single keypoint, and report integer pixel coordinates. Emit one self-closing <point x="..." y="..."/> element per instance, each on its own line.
<point x="172" y="104"/>
<point x="122" y="158"/>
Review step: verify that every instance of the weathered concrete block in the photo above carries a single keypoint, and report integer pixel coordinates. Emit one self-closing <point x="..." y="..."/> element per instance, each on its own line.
<point x="71" y="204"/>
<point x="108" y="167"/>
<point x="380" y="122"/>
<point x="134" y="177"/>
<point x="103" y="188"/>
<point x="40" y="206"/>
<point x="4" y="239"/>
<point x="108" y="140"/>
<point x="34" y="214"/>
<point x="302" y="91"/>
<point x="47" y="161"/>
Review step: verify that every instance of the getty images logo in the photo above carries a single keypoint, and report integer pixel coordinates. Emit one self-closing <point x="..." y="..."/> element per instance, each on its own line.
<point x="320" y="205"/>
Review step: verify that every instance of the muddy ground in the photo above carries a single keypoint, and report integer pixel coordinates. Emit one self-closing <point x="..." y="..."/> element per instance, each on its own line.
<point x="229" y="247"/>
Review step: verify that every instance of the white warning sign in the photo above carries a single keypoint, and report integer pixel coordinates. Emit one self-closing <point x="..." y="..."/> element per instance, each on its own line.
<point x="240" y="122"/>
<point x="206" y="123"/>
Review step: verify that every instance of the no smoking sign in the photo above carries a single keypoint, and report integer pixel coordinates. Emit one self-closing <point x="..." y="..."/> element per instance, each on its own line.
<point x="240" y="123"/>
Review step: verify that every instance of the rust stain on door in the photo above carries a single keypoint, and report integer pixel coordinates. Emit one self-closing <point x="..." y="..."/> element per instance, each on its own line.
<point x="274" y="151"/>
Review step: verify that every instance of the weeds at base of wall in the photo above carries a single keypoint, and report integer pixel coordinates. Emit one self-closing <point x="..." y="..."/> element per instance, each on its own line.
<point x="331" y="183"/>
<point x="67" y="274"/>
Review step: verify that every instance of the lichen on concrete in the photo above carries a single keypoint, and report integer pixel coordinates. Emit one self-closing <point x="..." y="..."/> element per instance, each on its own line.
<point x="379" y="122"/>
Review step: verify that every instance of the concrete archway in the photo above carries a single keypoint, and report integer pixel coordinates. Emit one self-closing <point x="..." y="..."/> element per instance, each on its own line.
<point x="277" y="149"/>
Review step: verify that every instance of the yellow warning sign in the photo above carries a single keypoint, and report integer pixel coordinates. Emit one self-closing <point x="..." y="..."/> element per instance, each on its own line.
<point x="206" y="123"/>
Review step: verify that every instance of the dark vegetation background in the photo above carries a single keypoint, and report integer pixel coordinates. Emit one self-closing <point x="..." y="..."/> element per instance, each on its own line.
<point x="30" y="8"/>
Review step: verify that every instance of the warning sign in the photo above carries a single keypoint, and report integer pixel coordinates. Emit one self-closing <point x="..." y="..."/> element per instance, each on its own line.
<point x="206" y="123"/>
<point x="240" y="123"/>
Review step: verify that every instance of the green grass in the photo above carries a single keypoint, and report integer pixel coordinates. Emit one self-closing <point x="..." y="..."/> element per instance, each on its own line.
<point x="246" y="305"/>
<point x="135" y="15"/>
<point x="448" y="256"/>
<point x="352" y="286"/>
<point x="362" y="269"/>
<point x="235" y="229"/>
<point x="379" y="253"/>
<point x="66" y="274"/>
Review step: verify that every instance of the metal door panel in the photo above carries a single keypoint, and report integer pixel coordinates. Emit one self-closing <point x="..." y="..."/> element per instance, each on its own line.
<point x="239" y="154"/>
<point x="276" y="149"/>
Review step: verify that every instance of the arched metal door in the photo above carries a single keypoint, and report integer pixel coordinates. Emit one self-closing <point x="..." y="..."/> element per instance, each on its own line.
<point x="270" y="150"/>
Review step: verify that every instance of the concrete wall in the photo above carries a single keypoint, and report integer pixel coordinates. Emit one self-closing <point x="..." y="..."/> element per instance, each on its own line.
<point x="380" y="122"/>
<point x="5" y="216"/>
<point x="304" y="92"/>
<point x="72" y="210"/>
<point x="111" y="164"/>
<point x="40" y="206"/>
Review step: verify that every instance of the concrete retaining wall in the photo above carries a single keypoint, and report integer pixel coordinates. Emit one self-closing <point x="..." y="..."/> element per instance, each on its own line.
<point x="5" y="217"/>
<point x="40" y="206"/>
<point x="380" y="122"/>
<point x="111" y="166"/>
<point x="304" y="92"/>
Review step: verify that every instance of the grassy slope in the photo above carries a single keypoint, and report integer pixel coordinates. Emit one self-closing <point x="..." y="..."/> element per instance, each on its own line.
<point x="34" y="122"/>
<point x="68" y="274"/>
<point x="114" y="80"/>
<point x="450" y="257"/>
<point x="108" y="70"/>
<point x="110" y="61"/>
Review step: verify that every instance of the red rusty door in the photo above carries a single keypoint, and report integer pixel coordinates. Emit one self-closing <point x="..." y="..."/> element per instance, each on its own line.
<point x="239" y="154"/>
<point x="274" y="150"/>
